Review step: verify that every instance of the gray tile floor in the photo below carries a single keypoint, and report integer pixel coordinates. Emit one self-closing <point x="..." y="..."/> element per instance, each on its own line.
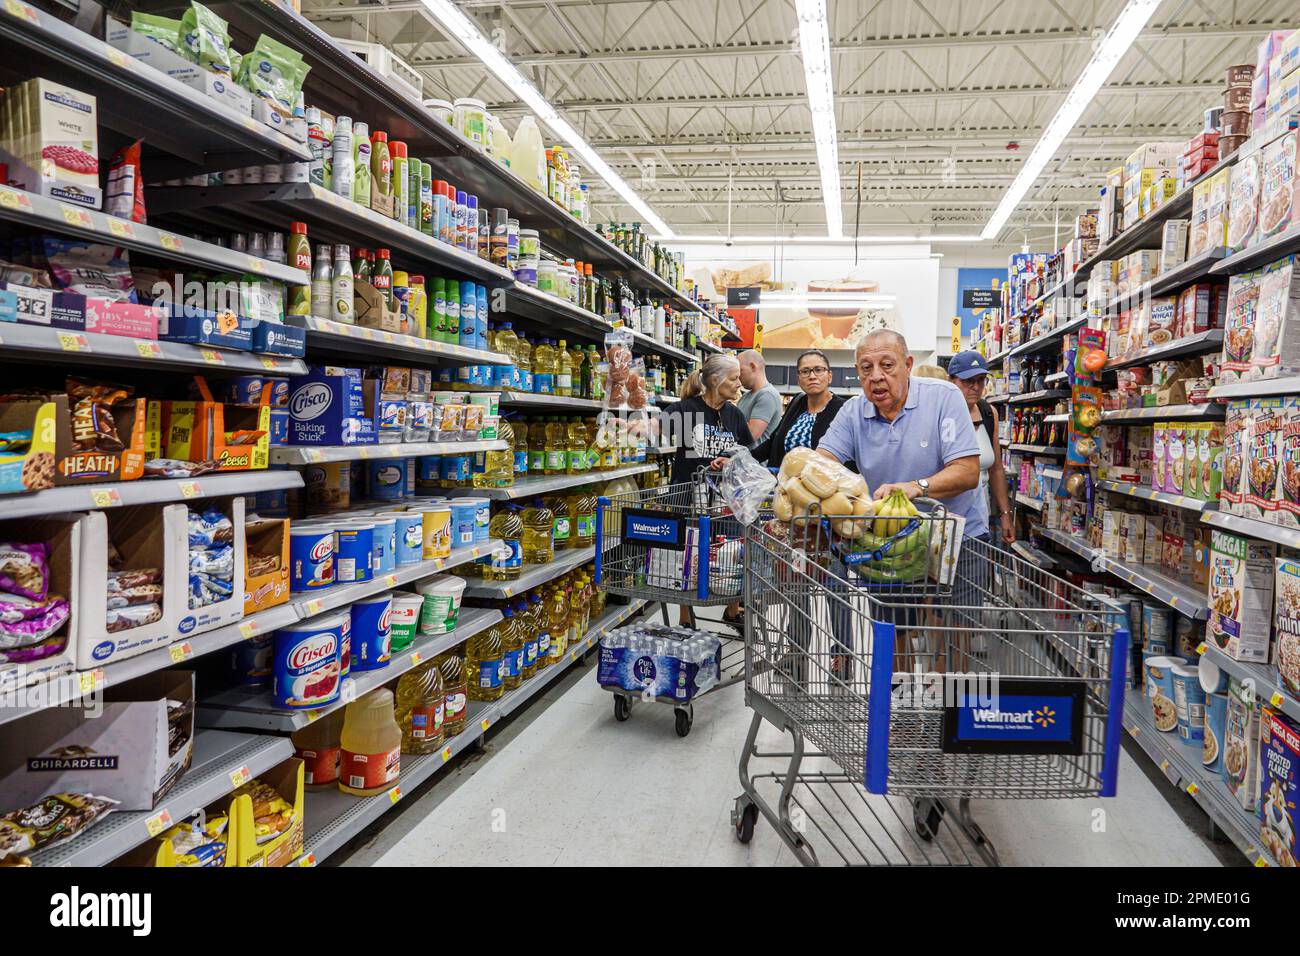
<point x="566" y="785"/>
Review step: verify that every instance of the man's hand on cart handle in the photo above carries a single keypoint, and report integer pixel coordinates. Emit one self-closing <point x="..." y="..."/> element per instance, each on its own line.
<point x="717" y="463"/>
<point x="910" y="488"/>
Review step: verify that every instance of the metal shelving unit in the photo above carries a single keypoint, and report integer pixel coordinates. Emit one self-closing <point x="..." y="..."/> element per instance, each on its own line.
<point x="1038" y="449"/>
<point x="1057" y="377"/>
<point x="1208" y="410"/>
<point x="1045" y="341"/>
<point x="531" y="576"/>
<point x="311" y="455"/>
<point x="334" y="817"/>
<point x="65" y="219"/>
<point x="1206" y="341"/>
<point x="140" y="101"/>
<point x="1029" y="502"/>
<point x="1145" y="233"/>
<point x="39" y="343"/>
<point x="146" y="491"/>
<point x="549" y="403"/>
<point x="1252" y="527"/>
<point x="1264" y="676"/>
<point x="329" y="217"/>
<point x="339" y="338"/>
<point x="1261" y="254"/>
<point x="558" y="315"/>
<point x="1177" y="277"/>
<point x="1042" y="395"/>
<point x="527" y="487"/>
<point x="1075" y="545"/>
<point x="1180" y="596"/>
<point x="222" y="763"/>
<point x="251" y="708"/>
<point x="1181" y="764"/>
<point x="1289" y="385"/>
<point x="1147" y="493"/>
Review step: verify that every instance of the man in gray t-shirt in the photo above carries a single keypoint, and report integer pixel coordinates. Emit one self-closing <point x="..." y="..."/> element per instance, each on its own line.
<point x="761" y="404"/>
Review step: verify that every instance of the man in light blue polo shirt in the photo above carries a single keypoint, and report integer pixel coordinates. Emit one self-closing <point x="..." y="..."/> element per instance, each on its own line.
<point x="909" y="433"/>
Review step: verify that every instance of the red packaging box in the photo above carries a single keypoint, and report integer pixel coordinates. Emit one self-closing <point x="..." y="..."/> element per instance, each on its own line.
<point x="1201" y="307"/>
<point x="123" y="318"/>
<point x="1201" y="140"/>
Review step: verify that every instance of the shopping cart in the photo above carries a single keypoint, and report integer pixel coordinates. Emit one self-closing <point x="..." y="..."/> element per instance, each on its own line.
<point x="676" y="544"/>
<point x="900" y="704"/>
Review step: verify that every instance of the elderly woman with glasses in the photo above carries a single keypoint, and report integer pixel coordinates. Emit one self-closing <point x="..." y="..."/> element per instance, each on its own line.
<point x="807" y="416"/>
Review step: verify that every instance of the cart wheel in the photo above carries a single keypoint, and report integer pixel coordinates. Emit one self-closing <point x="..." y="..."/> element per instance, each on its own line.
<point x="745" y="825"/>
<point x="682" y="720"/>
<point x="927" y="815"/>
<point x="622" y="708"/>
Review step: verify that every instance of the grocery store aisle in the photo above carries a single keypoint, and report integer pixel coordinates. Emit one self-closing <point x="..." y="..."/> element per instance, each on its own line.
<point x="570" y="786"/>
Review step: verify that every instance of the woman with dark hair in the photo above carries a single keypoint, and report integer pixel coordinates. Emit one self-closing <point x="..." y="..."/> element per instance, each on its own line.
<point x="807" y="416"/>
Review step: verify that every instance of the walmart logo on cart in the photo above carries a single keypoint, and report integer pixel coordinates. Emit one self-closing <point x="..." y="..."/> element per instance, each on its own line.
<point x="1043" y="717"/>
<point x="1019" y="716"/>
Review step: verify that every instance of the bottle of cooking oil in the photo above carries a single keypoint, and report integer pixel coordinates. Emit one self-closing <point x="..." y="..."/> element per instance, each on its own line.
<point x="485" y="665"/>
<point x="557" y="614"/>
<point x="575" y="444"/>
<point x="542" y="626"/>
<point x="521" y="448"/>
<point x="597" y="593"/>
<point x="528" y="627"/>
<point x="507" y="343"/>
<point x="421" y="705"/>
<point x="563" y="370"/>
<point x="582" y="511"/>
<point x="597" y="374"/>
<point x="512" y="643"/>
<point x="557" y="445"/>
<point x="559" y="505"/>
<point x="508" y="525"/>
<point x="455" y="683"/>
<point x="524" y="362"/>
<point x="607" y="444"/>
<point x="498" y="466"/>
<point x="539" y="525"/>
<point x="591" y="430"/>
<point x="575" y="362"/>
<point x="370" y="745"/>
<point x="537" y="447"/>
<point x="544" y="367"/>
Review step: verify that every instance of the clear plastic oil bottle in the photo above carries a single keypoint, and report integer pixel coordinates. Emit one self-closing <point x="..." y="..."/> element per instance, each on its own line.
<point x="537" y="447"/>
<point x="539" y="527"/>
<point x="544" y="367"/>
<point x="485" y="664"/>
<point x="507" y="525"/>
<point x="498" y="465"/>
<point x="582" y="512"/>
<point x="528" y="627"/>
<point x="557" y="447"/>
<point x="557" y="613"/>
<point x="562" y="525"/>
<point x="542" y="625"/>
<point x="421" y="708"/>
<point x="512" y="643"/>
<point x="575" y="444"/>
<point x="455" y="684"/>
<point x="563" y="370"/>
<point x="521" y="449"/>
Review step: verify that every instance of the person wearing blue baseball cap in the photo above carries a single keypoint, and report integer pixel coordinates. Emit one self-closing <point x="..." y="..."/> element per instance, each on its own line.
<point x="970" y="373"/>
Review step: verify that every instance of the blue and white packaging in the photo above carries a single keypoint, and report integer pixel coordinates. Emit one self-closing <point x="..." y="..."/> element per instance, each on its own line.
<point x="354" y="551"/>
<point x="311" y="556"/>
<point x="272" y="504"/>
<point x="279" y="427"/>
<point x="307" y="662"/>
<point x="385" y="553"/>
<point x="387" y="478"/>
<point x="326" y="407"/>
<point x="673" y="663"/>
<point x="273" y="338"/>
<point x="408" y="536"/>
<point x="372" y="632"/>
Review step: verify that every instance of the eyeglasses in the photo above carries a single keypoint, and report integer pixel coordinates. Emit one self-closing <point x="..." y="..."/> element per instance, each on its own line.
<point x="813" y="370"/>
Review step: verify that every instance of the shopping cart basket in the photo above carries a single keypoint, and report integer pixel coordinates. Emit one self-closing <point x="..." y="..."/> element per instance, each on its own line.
<point x="677" y="544"/>
<point x="1008" y="686"/>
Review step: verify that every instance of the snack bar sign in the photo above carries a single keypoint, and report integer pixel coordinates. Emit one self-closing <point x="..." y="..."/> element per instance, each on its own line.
<point x="1024" y="717"/>
<point x="658" y="528"/>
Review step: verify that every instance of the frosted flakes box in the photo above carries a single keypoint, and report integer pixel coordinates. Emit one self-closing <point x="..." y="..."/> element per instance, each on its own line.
<point x="1279" y="785"/>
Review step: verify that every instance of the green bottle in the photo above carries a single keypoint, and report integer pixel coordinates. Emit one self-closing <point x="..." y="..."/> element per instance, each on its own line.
<point x="438" y="326"/>
<point x="426" y="199"/>
<point x="361" y="164"/>
<point x="413" y="169"/>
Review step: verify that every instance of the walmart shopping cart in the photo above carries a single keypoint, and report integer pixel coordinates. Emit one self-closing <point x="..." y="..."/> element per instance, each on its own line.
<point x="901" y="701"/>
<point x="678" y="544"/>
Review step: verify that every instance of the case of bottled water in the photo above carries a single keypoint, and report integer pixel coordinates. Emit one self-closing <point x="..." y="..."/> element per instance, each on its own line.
<point x="673" y="663"/>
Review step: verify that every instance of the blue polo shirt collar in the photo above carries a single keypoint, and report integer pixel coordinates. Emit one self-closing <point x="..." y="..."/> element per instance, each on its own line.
<point x="869" y="410"/>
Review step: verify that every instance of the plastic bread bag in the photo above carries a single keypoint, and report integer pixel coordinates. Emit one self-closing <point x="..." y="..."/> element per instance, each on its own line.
<point x="210" y="528"/>
<point x="618" y="358"/>
<point x="746" y="486"/>
<point x="205" y="39"/>
<point x="162" y="30"/>
<point x="53" y="818"/>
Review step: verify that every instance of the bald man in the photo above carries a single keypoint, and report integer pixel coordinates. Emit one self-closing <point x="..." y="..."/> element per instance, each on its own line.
<point x="761" y="404"/>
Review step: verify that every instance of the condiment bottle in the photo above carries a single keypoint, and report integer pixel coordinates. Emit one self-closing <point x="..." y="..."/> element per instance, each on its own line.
<point x="299" y="254"/>
<point x="343" y="288"/>
<point x="361" y="164"/>
<point x="322" y="283"/>
<point x="343" y="163"/>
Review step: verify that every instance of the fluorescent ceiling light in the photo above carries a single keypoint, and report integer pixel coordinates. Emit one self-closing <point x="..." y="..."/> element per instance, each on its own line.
<point x="815" y="47"/>
<point x="824" y="240"/>
<point x="1109" y="51"/>
<point x="462" y="29"/>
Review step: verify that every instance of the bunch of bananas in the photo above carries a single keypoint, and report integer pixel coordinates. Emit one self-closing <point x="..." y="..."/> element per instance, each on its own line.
<point x="894" y="546"/>
<point x="894" y="514"/>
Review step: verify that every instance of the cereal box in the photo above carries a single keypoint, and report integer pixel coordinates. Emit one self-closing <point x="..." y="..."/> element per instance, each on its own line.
<point x="1276" y="348"/>
<point x="1198" y="235"/>
<point x="1112" y="527"/>
<point x="1262" y="454"/>
<point x="1192" y="443"/>
<point x="1162" y="320"/>
<point x="1176" y="547"/>
<point x="1153" y="537"/>
<point x="1240" y="594"/>
<point x="1241" y="744"/>
<point x="1201" y="307"/>
<point x="1200" y="559"/>
<point x="1243" y="215"/>
<point x="1133" y="532"/>
<point x="1173" y="243"/>
<point x="1287" y="623"/>
<point x="1216" y="214"/>
<point x="1239" y="326"/>
<point x="1210" y="454"/>
<point x="1236" y="433"/>
<point x="1176" y="457"/>
<point x="1279" y="785"/>
<point x="1159" y="457"/>
<point x="1287" y="513"/>
<point x="1276" y="175"/>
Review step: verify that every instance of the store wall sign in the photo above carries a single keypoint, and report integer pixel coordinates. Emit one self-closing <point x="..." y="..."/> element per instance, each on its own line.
<point x="657" y="528"/>
<point x="1027" y="717"/>
<point x="746" y="298"/>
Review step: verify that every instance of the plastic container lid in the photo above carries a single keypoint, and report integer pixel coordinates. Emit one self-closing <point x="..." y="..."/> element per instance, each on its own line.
<point x="320" y="622"/>
<point x="442" y="584"/>
<point x="469" y="101"/>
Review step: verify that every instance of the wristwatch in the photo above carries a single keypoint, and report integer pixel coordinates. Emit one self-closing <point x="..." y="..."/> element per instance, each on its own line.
<point x="924" y="485"/>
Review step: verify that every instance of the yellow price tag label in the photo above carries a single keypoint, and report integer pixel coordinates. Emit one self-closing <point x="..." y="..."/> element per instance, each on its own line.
<point x="190" y="489"/>
<point x="121" y="228"/>
<point x="341" y="329"/>
<point x="247" y="629"/>
<point x="170" y="242"/>
<point x="1201" y="648"/>
<point x="1261" y="862"/>
<point x="269" y="363"/>
<point x="390" y="580"/>
<point x="1193" y="789"/>
<point x="308" y="860"/>
<point x="73" y="342"/>
<point x="1134" y="730"/>
<point x="105" y="498"/>
<point x="256" y="264"/>
<point x="364" y="452"/>
<point x="118" y="58"/>
<point x="446" y="754"/>
<point x="90" y="680"/>
<point x="180" y="652"/>
<point x="1276" y="699"/>
<point x="484" y="723"/>
<point x="368" y="335"/>
<point x="149" y="349"/>
<point x="508" y="591"/>
<point x="15" y="199"/>
<point x="474" y="552"/>
<point x="395" y="794"/>
<point x="416" y="659"/>
<point x="315" y="456"/>
<point x="76" y="217"/>
<point x="212" y="356"/>
<point x="17" y="9"/>
<point x="315" y="606"/>
<point x="388" y="337"/>
<point x="159" y="822"/>
<point x="438" y="563"/>
<point x="241" y="776"/>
